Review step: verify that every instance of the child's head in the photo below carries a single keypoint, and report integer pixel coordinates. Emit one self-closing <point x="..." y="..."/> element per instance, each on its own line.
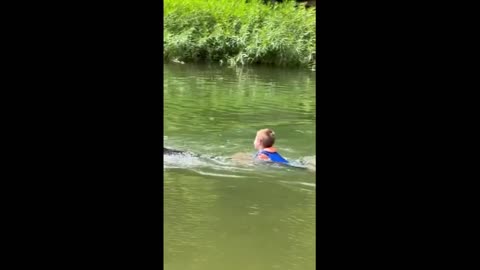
<point x="265" y="138"/>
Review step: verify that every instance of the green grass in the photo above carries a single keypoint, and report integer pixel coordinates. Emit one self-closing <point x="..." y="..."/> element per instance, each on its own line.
<point x="237" y="33"/>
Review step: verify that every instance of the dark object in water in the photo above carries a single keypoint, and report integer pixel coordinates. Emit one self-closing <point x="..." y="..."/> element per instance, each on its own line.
<point x="167" y="151"/>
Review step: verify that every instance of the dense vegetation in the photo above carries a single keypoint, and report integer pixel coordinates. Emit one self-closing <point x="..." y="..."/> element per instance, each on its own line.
<point x="239" y="32"/>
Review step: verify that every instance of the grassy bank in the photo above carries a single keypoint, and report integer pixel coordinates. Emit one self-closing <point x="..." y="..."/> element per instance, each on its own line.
<point x="237" y="33"/>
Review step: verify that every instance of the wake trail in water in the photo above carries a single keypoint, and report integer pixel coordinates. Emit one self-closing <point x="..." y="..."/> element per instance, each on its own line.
<point x="219" y="174"/>
<point x="226" y="167"/>
<point x="300" y="183"/>
<point x="205" y="165"/>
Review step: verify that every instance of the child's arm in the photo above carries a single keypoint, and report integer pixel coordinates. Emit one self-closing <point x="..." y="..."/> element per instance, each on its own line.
<point x="242" y="158"/>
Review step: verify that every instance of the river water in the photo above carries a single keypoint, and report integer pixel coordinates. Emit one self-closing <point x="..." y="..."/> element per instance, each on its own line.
<point x="221" y="213"/>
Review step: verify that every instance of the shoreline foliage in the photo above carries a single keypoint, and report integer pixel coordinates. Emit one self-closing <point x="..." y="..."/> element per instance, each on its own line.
<point x="239" y="32"/>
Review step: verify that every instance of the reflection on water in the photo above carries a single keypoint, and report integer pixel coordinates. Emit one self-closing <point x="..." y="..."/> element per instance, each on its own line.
<point x="221" y="215"/>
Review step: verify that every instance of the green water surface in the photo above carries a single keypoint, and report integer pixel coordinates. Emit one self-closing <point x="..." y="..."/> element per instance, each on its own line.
<point x="221" y="215"/>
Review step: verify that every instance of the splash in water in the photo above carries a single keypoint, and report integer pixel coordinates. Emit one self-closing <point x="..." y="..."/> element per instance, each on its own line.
<point x="186" y="160"/>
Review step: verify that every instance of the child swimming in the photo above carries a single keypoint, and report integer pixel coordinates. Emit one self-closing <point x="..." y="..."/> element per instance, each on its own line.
<point x="264" y="144"/>
<point x="264" y="141"/>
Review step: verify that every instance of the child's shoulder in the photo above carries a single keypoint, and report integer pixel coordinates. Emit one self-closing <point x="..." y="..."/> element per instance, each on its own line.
<point x="270" y="155"/>
<point x="262" y="156"/>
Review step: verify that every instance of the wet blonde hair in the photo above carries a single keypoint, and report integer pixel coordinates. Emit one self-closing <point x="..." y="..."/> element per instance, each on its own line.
<point x="267" y="136"/>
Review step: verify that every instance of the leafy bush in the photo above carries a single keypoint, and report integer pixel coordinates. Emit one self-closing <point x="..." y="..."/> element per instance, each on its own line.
<point x="239" y="33"/>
